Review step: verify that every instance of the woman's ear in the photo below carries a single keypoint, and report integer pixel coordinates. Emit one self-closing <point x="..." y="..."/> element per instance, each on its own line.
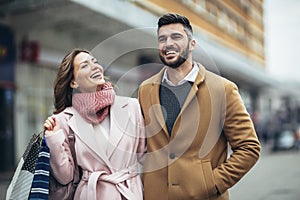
<point x="73" y="84"/>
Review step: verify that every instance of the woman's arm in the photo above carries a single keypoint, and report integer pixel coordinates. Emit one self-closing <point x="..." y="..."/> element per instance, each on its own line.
<point x="61" y="160"/>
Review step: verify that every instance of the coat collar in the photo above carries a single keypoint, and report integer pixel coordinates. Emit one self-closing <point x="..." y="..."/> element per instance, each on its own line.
<point x="156" y="110"/>
<point x="119" y="118"/>
<point x="155" y="82"/>
<point x="199" y="79"/>
<point x="156" y="79"/>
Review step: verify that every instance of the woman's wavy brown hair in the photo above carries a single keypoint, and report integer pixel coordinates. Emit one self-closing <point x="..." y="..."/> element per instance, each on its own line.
<point x="62" y="89"/>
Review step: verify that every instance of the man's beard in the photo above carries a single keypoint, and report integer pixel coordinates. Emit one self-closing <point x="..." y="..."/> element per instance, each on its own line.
<point x="181" y="59"/>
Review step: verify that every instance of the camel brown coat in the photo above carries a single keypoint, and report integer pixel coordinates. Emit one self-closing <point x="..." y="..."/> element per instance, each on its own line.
<point x="194" y="160"/>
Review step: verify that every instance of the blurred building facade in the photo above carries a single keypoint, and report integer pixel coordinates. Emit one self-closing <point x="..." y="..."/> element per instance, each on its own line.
<point x="122" y="35"/>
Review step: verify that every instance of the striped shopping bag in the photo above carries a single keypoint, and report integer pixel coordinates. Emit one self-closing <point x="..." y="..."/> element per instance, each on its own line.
<point x="28" y="176"/>
<point x="40" y="183"/>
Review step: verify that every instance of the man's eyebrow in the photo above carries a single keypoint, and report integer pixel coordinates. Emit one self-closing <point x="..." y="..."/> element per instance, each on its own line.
<point x="171" y="35"/>
<point x="176" y="34"/>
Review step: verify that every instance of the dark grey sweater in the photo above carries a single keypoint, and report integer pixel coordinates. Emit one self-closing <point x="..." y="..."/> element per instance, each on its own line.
<point x="172" y="99"/>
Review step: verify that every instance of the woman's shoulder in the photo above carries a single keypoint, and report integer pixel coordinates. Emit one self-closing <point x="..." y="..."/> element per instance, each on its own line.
<point x="65" y="114"/>
<point x="126" y="100"/>
<point x="130" y="104"/>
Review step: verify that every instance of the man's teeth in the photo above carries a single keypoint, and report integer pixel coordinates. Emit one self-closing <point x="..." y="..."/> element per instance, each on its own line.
<point x="170" y="52"/>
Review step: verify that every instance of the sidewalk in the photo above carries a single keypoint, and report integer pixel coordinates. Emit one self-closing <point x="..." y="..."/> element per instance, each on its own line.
<point x="276" y="176"/>
<point x="285" y="165"/>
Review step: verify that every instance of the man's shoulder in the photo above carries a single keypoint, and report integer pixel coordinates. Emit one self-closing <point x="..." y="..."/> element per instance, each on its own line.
<point x="215" y="78"/>
<point x="156" y="78"/>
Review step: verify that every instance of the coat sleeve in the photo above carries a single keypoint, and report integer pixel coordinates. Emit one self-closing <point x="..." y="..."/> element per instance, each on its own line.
<point x="61" y="160"/>
<point x="239" y="131"/>
<point x="140" y="129"/>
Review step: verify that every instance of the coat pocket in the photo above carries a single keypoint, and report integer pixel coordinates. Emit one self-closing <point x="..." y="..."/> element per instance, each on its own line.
<point x="209" y="177"/>
<point x="194" y="179"/>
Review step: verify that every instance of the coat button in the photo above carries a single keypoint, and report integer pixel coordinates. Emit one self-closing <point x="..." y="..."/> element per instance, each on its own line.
<point x="172" y="155"/>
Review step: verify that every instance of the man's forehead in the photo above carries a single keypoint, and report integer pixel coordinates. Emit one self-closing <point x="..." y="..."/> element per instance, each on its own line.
<point x="171" y="28"/>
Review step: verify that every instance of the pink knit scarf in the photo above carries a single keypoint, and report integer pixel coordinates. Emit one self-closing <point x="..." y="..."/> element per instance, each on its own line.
<point x="94" y="106"/>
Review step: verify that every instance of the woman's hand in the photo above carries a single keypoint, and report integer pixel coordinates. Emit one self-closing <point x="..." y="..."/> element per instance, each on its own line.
<point x="50" y="125"/>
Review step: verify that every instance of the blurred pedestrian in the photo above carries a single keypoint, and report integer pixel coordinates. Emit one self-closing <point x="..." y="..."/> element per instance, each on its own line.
<point x="108" y="129"/>
<point x="191" y="117"/>
<point x="297" y="138"/>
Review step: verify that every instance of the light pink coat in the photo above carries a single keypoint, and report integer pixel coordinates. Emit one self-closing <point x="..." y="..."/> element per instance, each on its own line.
<point x="108" y="173"/>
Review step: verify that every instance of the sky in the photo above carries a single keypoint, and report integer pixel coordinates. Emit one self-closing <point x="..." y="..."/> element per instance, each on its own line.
<point x="282" y="38"/>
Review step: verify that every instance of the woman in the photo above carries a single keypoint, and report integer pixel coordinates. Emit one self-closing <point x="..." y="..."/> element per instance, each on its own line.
<point x="109" y="132"/>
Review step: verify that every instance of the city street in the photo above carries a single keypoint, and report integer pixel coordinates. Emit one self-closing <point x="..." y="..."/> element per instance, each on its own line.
<point x="276" y="176"/>
<point x="230" y="57"/>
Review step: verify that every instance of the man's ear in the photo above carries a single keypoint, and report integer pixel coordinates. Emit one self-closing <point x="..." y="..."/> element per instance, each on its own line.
<point x="193" y="44"/>
<point x="73" y="84"/>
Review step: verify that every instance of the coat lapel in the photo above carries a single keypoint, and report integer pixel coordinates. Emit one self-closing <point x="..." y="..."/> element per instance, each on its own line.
<point x="85" y="133"/>
<point x="194" y="89"/>
<point x="154" y="96"/>
<point x="157" y="111"/>
<point x="155" y="102"/>
<point x="119" y="118"/>
<point x="191" y="98"/>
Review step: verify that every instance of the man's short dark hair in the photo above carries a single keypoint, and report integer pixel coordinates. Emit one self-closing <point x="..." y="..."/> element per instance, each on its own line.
<point x="173" y="18"/>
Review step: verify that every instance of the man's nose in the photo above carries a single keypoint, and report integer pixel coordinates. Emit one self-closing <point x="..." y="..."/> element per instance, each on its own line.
<point x="169" y="41"/>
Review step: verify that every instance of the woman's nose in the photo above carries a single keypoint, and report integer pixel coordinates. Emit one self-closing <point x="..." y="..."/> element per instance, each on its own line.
<point x="97" y="66"/>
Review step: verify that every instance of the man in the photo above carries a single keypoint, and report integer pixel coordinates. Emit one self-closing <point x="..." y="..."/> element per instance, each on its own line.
<point x="191" y="117"/>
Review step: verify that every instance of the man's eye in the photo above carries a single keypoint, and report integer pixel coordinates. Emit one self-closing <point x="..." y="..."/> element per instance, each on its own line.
<point x="177" y="37"/>
<point x="161" y="39"/>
